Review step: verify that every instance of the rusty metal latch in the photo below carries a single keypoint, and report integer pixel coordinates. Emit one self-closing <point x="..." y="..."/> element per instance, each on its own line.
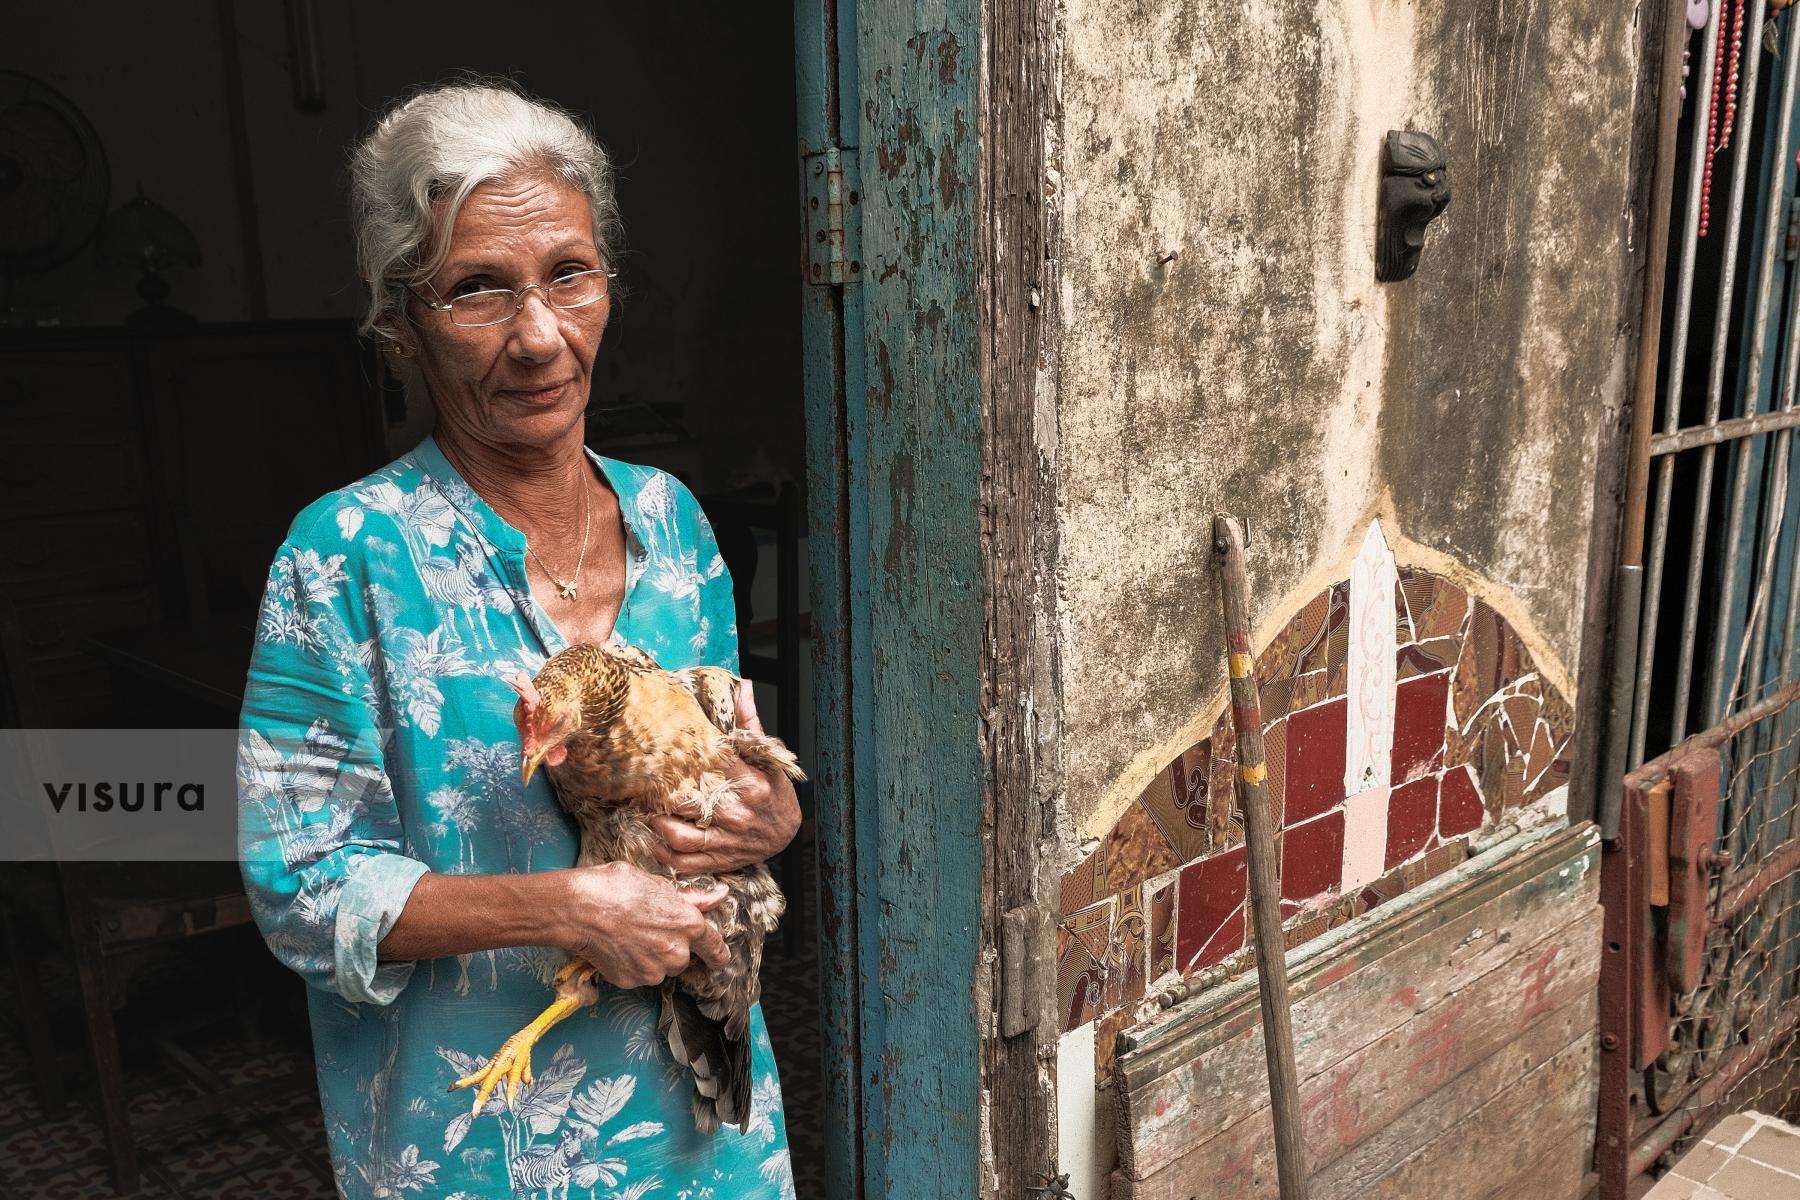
<point x="833" y="217"/>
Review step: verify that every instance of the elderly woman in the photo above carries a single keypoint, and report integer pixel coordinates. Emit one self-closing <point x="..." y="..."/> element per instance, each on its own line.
<point x="391" y="854"/>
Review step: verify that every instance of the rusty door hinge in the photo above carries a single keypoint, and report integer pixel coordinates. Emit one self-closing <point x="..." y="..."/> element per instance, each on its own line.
<point x="1019" y="973"/>
<point x="833" y="217"/>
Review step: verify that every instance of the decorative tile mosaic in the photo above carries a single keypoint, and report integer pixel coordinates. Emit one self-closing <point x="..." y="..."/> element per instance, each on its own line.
<point x="1458" y="719"/>
<point x="1314" y="751"/>
<point x="1412" y="819"/>
<point x="1209" y="910"/>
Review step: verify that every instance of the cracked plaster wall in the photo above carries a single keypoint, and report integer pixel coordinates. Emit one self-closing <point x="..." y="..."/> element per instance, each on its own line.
<point x="1263" y="371"/>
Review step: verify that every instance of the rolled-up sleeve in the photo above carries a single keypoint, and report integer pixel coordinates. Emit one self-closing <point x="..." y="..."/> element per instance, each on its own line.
<point x="322" y="847"/>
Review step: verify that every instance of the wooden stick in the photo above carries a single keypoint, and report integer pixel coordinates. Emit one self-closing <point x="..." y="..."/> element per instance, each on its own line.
<point x="1658" y="834"/>
<point x="1259" y="842"/>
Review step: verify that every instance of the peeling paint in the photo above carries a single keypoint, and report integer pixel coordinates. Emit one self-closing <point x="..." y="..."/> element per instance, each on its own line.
<point x="1264" y="371"/>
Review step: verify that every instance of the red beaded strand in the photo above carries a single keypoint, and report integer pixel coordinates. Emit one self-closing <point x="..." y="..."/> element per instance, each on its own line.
<point x="1725" y="80"/>
<point x="1731" y="75"/>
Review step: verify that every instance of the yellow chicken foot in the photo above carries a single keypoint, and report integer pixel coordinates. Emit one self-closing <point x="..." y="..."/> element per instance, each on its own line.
<point x="575" y="988"/>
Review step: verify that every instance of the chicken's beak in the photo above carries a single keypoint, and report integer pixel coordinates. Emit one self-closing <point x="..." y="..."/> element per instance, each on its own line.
<point x="528" y="763"/>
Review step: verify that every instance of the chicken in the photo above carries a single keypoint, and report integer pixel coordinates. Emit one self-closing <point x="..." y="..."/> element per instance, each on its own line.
<point x="623" y="740"/>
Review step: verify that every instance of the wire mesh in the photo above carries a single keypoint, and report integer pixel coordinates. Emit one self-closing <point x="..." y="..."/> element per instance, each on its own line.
<point x="1733" y="1039"/>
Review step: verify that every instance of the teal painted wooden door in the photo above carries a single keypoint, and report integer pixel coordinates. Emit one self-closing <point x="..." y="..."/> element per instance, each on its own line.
<point x="887" y="158"/>
<point x="831" y="319"/>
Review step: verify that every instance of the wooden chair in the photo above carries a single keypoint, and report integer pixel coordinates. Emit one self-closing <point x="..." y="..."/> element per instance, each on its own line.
<point x="115" y="918"/>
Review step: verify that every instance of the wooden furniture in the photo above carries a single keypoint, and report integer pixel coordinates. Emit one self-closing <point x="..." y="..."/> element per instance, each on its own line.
<point x="147" y="478"/>
<point x="121" y="916"/>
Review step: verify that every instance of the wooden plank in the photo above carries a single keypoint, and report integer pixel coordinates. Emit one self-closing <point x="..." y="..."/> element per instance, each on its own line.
<point x="1524" y="1123"/>
<point x="1223" y="1011"/>
<point x="1367" y="1161"/>
<point x="1017" y="697"/>
<point x="1356" y="1003"/>
<point x="1559" y="1174"/>
<point x="919" y="759"/>
<point x="1453" y="1106"/>
<point x="1394" y="1095"/>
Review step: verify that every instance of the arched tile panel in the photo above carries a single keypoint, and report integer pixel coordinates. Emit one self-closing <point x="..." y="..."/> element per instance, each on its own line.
<point x="1383" y="759"/>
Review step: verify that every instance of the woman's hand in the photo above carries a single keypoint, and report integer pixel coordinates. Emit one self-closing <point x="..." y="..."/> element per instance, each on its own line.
<point x="754" y="826"/>
<point x="637" y="928"/>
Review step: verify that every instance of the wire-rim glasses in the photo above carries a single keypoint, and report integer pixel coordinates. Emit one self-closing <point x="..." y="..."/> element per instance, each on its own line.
<point x="495" y="306"/>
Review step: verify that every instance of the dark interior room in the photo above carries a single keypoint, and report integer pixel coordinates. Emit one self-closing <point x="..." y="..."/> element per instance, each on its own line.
<point x="181" y="372"/>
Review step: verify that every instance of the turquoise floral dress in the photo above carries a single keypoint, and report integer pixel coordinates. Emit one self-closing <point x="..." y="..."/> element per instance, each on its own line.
<point x="377" y="744"/>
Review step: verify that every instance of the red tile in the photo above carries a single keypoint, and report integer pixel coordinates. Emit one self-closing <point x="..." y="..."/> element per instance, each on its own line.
<point x="1412" y="819"/>
<point x="1459" y="808"/>
<point x="1312" y="857"/>
<point x="1315" y="761"/>
<point x="1419" y="709"/>
<point x="1209" y="912"/>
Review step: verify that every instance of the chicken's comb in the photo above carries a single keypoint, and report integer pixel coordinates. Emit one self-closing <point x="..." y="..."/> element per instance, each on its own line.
<point x="527" y="689"/>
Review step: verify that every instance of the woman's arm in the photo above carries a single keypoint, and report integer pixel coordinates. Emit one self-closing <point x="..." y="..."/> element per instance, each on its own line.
<point x="323" y="851"/>
<point x="637" y="928"/>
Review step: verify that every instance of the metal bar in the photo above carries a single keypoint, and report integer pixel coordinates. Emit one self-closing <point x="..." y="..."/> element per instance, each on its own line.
<point x="1650" y="610"/>
<point x="1259" y="841"/>
<point x="1678" y="346"/>
<point x="1731" y="1072"/>
<point x="1746" y="887"/>
<point x="1696" y="436"/>
<point x="1789" y="658"/>
<point x="1773" y="242"/>
<point x="1740" y="172"/>
<point x="1653" y="771"/>
<point x="1774" y="516"/>
<point x="1656" y="263"/>
<point x="1628" y="587"/>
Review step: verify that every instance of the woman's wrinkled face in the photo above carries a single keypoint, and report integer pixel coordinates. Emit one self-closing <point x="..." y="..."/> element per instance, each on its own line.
<point x="525" y="381"/>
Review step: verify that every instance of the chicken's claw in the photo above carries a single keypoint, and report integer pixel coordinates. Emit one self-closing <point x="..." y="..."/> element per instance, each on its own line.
<point x="510" y="1065"/>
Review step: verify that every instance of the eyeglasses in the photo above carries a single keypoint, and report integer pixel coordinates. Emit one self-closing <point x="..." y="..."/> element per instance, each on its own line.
<point x="494" y="306"/>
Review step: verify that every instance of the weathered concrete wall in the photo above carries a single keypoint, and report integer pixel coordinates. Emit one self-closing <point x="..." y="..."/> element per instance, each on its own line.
<point x="1262" y="370"/>
<point x="1224" y="345"/>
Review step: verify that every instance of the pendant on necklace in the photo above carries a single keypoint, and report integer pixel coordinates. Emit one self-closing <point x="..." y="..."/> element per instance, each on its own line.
<point x="567" y="590"/>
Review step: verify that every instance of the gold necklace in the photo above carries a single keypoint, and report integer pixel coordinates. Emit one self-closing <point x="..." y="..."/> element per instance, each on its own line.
<point x="567" y="588"/>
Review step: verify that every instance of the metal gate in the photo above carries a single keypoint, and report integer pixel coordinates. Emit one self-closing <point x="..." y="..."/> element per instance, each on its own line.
<point x="1700" y="993"/>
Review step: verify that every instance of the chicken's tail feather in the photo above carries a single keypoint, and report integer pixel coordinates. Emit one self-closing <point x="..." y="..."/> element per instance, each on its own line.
<point x="720" y="1063"/>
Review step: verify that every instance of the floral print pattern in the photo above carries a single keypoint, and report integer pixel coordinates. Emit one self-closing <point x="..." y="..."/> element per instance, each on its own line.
<point x="376" y="745"/>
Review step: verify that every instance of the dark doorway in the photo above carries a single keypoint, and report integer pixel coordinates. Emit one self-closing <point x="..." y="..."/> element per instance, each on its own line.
<point x="236" y="119"/>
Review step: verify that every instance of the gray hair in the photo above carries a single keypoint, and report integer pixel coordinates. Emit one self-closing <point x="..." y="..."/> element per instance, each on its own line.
<point x="410" y="176"/>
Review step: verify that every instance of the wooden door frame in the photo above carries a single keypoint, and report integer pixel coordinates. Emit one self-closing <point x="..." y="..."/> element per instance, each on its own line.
<point x="927" y="510"/>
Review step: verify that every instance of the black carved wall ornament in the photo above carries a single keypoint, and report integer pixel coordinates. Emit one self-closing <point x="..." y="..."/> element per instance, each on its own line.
<point x="1415" y="188"/>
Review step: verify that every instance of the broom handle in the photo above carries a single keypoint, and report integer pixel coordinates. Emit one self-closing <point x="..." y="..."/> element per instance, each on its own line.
<point x="1265" y="882"/>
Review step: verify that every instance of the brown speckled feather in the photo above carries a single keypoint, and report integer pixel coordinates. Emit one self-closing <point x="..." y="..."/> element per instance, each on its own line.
<point x="648" y="742"/>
